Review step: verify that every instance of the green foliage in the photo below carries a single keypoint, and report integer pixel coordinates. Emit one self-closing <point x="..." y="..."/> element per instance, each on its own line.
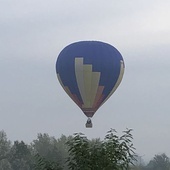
<point x="51" y="149"/>
<point x="43" y="164"/>
<point x="5" y="165"/>
<point x="46" y="147"/>
<point x="5" y="145"/>
<point x="49" y="153"/>
<point x="20" y="156"/>
<point x="112" y="153"/>
<point x="79" y="152"/>
<point x="159" y="162"/>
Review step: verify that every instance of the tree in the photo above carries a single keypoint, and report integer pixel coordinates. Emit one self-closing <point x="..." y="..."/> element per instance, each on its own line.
<point x="5" y="146"/>
<point x="20" y="156"/>
<point x="49" y="148"/>
<point x="159" y="162"/>
<point x="5" y="165"/>
<point x="63" y="149"/>
<point x="43" y="164"/>
<point x="112" y="153"/>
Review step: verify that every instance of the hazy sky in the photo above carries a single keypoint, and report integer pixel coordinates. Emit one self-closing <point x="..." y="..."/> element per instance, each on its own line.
<point x="33" y="32"/>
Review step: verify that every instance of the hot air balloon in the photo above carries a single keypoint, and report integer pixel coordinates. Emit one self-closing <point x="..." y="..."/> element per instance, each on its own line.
<point x="89" y="72"/>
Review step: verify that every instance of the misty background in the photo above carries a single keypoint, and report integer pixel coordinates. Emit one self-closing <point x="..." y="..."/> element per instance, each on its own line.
<point x="32" y="34"/>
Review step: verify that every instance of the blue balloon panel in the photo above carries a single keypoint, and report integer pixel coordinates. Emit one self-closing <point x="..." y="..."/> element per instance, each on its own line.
<point x="89" y="72"/>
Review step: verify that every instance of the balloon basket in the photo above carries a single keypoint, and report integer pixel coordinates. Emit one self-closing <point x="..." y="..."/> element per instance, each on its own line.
<point x="89" y="123"/>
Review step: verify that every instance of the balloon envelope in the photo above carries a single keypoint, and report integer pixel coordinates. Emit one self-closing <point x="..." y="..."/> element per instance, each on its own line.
<point x="89" y="72"/>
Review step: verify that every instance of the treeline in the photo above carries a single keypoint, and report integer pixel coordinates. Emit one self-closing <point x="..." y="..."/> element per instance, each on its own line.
<point x="22" y="156"/>
<point x="76" y="153"/>
<point x="158" y="162"/>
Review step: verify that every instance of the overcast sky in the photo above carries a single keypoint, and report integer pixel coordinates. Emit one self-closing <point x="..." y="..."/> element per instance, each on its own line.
<point x="32" y="34"/>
